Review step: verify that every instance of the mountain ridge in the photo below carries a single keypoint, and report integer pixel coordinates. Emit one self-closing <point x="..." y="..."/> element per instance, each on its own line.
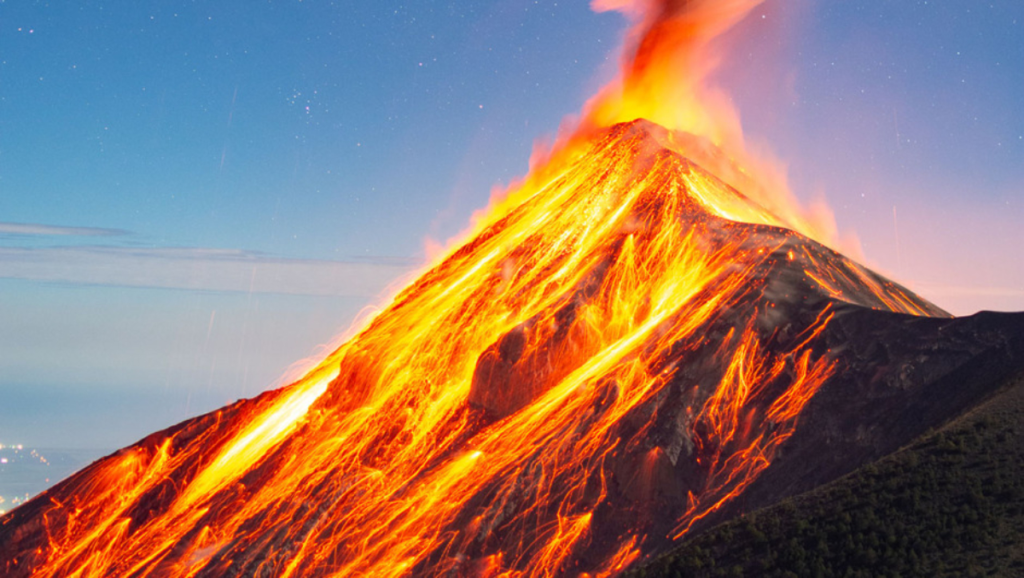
<point x="948" y="504"/>
<point x="604" y="366"/>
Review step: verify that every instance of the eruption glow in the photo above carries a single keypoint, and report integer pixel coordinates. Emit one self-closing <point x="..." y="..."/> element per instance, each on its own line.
<point x="517" y="409"/>
<point x="666" y="79"/>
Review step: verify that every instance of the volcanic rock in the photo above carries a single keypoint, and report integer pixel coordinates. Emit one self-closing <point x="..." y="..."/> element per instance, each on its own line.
<point x="626" y="352"/>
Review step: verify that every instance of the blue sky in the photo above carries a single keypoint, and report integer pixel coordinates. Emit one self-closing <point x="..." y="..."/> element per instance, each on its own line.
<point x="194" y="195"/>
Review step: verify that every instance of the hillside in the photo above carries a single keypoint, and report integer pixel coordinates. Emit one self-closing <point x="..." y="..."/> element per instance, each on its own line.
<point x="950" y="504"/>
<point x="627" y="351"/>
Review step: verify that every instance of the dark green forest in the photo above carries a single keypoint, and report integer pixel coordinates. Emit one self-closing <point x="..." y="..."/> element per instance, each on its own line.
<point x="950" y="504"/>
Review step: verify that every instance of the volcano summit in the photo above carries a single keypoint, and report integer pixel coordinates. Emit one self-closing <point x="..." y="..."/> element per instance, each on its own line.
<point x="629" y="351"/>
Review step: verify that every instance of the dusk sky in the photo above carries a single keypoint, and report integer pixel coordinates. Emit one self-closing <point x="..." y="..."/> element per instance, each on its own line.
<point x="194" y="195"/>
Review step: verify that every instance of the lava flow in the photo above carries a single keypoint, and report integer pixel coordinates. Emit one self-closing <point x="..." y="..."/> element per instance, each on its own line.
<point x="619" y="350"/>
<point x="579" y="383"/>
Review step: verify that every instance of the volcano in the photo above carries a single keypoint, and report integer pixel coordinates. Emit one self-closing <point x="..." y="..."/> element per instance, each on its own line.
<point x="626" y="352"/>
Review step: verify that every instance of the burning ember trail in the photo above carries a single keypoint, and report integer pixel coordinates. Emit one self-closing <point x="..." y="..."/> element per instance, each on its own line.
<point x="618" y="351"/>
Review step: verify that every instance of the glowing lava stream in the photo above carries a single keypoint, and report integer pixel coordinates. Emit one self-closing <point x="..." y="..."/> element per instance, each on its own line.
<point x="608" y="332"/>
<point x="251" y="445"/>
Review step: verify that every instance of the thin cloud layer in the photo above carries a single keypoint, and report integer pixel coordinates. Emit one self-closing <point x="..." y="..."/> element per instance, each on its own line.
<point x="201" y="269"/>
<point x="40" y="230"/>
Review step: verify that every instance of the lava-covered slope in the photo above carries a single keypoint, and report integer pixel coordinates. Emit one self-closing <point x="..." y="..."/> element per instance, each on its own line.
<point x="611" y="360"/>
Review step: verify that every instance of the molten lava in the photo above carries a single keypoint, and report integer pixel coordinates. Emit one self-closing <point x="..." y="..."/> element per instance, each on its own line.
<point x="597" y="369"/>
<point x="619" y="350"/>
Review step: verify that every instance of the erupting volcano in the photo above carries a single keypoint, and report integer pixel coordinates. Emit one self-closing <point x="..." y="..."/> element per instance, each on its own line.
<point x="625" y="349"/>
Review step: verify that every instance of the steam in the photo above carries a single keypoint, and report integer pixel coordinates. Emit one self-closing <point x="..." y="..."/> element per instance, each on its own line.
<point x="671" y="54"/>
<point x="669" y="59"/>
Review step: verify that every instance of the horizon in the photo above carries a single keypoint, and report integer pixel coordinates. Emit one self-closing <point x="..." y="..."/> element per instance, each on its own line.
<point x="176" y="230"/>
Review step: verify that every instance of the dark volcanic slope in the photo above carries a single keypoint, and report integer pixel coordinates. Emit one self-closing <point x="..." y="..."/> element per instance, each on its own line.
<point x="899" y="377"/>
<point x="950" y="504"/>
<point x="609" y="363"/>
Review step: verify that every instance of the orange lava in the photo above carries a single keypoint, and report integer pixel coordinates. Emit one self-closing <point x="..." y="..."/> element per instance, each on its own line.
<point x="379" y="463"/>
<point x="491" y="419"/>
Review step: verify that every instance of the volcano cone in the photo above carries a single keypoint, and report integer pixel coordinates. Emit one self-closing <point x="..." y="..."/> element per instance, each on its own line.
<point x="630" y="351"/>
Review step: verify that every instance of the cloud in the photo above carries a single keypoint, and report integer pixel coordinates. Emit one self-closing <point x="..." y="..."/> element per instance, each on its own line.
<point x="971" y="291"/>
<point x="202" y="269"/>
<point x="36" y="229"/>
